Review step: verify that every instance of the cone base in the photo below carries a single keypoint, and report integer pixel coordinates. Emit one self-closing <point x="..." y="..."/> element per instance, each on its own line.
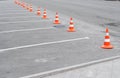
<point x="71" y="30"/>
<point x="44" y="18"/>
<point x="23" y="6"/>
<point x="107" y="47"/>
<point x="56" y="22"/>
<point x="38" y="14"/>
<point x="27" y="8"/>
<point x="31" y="11"/>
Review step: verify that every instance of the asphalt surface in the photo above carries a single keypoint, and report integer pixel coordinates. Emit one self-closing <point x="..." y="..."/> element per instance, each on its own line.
<point x="29" y="44"/>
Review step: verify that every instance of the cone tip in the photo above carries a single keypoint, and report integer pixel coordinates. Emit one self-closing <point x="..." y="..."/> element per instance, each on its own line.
<point x="56" y="13"/>
<point x="107" y="29"/>
<point x="71" y="18"/>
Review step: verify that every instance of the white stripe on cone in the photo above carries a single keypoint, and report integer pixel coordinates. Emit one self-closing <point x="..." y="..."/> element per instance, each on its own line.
<point x="107" y="40"/>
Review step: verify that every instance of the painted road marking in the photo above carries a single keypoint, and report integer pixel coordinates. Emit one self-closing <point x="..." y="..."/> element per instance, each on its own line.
<point x="24" y="30"/>
<point x="18" y="17"/>
<point x="13" y="13"/>
<point x="40" y="44"/>
<point x="16" y="11"/>
<point x="52" y="72"/>
<point x="24" y="21"/>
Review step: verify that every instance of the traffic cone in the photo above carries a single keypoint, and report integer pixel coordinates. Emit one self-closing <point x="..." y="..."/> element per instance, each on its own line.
<point x="56" y="19"/>
<point x="71" y="27"/>
<point x="38" y="12"/>
<point x="18" y="2"/>
<point x="44" y="14"/>
<point x="27" y="6"/>
<point x="107" y="44"/>
<point x="30" y="9"/>
<point x="24" y="5"/>
<point x="21" y="4"/>
<point x="15" y="1"/>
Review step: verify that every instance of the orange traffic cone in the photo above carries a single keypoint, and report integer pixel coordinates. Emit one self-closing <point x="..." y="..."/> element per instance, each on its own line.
<point x="71" y="27"/>
<point x="44" y="14"/>
<point x="18" y="2"/>
<point x="27" y="6"/>
<point x="38" y="12"/>
<point x="107" y="44"/>
<point x="30" y="9"/>
<point x="23" y="4"/>
<point x="15" y="1"/>
<point x="56" y="19"/>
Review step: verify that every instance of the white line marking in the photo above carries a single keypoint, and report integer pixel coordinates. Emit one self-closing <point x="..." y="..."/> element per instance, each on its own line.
<point x="19" y="17"/>
<point x="10" y="11"/>
<point x="13" y="13"/>
<point x="22" y="30"/>
<point x="40" y="44"/>
<point x="14" y="10"/>
<point x="69" y="68"/>
<point x="24" y="21"/>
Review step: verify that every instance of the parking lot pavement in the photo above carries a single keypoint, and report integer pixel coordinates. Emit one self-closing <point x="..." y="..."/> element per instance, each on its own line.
<point x="29" y="44"/>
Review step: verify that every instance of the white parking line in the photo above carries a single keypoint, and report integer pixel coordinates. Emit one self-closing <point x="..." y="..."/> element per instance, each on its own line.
<point x="60" y="70"/>
<point x="15" y="10"/>
<point x="40" y="44"/>
<point x="18" y="17"/>
<point x="13" y="13"/>
<point x="24" y="30"/>
<point x="24" y="21"/>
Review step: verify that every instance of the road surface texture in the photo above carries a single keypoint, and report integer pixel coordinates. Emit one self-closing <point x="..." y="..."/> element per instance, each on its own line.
<point x="30" y="45"/>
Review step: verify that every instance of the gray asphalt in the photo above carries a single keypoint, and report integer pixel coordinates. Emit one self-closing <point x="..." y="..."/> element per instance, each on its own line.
<point x="30" y="60"/>
<point x="101" y="12"/>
